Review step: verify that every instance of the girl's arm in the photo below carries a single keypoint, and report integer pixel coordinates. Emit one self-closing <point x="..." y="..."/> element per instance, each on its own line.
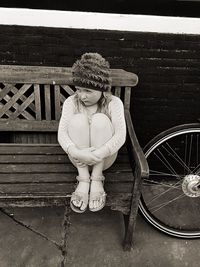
<point x="118" y="121"/>
<point x="67" y="112"/>
<point x="81" y="155"/>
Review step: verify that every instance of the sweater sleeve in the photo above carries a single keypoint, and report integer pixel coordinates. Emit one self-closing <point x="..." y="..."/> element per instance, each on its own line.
<point x="67" y="113"/>
<point x="118" y="121"/>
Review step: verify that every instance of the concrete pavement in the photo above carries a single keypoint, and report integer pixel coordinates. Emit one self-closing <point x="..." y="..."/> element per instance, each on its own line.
<point x="49" y="237"/>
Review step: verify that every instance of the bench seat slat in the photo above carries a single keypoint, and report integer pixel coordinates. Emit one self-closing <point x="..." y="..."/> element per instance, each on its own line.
<point x="59" y="177"/>
<point x="52" y="168"/>
<point x="35" y="168"/>
<point x="120" y="196"/>
<point x="46" y="158"/>
<point x="14" y="159"/>
<point x="116" y="201"/>
<point x="12" y="149"/>
<point x="57" y="188"/>
<point x="7" y="149"/>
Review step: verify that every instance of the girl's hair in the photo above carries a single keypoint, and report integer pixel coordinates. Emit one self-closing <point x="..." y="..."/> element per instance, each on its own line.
<point x="102" y="103"/>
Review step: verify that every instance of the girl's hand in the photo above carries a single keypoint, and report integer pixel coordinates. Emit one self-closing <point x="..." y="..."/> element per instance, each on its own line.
<point x="98" y="154"/>
<point x="85" y="155"/>
<point x="79" y="164"/>
<point x="88" y="157"/>
<point x="73" y="152"/>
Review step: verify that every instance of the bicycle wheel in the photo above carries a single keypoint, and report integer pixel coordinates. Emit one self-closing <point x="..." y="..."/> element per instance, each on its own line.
<point x="170" y="198"/>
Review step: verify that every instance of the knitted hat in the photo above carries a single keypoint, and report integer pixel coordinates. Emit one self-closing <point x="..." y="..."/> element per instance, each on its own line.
<point x="92" y="71"/>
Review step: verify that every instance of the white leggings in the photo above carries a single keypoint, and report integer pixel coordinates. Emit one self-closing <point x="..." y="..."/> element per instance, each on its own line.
<point x="91" y="134"/>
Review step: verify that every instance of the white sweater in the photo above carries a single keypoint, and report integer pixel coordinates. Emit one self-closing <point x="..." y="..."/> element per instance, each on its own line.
<point x="116" y="112"/>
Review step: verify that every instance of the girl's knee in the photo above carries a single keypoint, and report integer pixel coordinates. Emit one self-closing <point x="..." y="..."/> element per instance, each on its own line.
<point x="101" y="122"/>
<point x="78" y="130"/>
<point x="78" y="121"/>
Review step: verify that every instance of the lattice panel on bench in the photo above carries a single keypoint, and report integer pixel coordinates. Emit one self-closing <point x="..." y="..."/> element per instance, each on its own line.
<point x="34" y="101"/>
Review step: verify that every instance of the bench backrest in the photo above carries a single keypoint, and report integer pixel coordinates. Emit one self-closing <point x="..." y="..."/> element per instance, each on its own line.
<point x="31" y="97"/>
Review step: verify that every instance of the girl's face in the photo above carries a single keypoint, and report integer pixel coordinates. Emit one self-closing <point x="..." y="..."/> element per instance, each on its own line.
<point x="88" y="96"/>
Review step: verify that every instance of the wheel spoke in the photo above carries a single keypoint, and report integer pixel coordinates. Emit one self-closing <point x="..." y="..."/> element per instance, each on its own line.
<point x="197" y="150"/>
<point x="164" y="204"/>
<point x="153" y="172"/>
<point x="164" y="192"/>
<point x="190" y="150"/>
<point x="162" y="184"/>
<point x="178" y="159"/>
<point x="165" y="162"/>
<point x="197" y="169"/>
<point x="185" y="154"/>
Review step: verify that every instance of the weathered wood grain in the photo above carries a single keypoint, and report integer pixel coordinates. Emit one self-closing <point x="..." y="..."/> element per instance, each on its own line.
<point x="47" y="102"/>
<point x="50" y="167"/>
<point x="56" y="188"/>
<point x="4" y="91"/>
<point x="56" y="75"/>
<point x="45" y="158"/>
<point x="57" y="102"/>
<point x="37" y="149"/>
<point x="37" y="102"/>
<point x="28" y="125"/>
<point x="116" y="201"/>
<point x="23" y="106"/>
<point x="66" y="177"/>
<point x="127" y="98"/>
<point x="117" y="91"/>
<point x="11" y="102"/>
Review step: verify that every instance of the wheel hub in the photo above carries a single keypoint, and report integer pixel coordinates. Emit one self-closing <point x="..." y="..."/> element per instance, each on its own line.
<point x="191" y="185"/>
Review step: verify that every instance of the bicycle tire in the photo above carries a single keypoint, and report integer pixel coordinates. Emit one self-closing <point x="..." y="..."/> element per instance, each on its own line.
<point x="171" y="144"/>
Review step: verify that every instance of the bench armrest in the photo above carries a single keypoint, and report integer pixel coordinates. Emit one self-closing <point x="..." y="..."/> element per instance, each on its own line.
<point x="136" y="150"/>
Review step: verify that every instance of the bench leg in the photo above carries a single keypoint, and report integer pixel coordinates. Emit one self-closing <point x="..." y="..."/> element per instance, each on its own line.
<point x="130" y="220"/>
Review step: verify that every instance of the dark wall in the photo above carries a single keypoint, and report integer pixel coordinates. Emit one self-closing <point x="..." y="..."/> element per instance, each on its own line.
<point x="168" y="67"/>
<point x="185" y="8"/>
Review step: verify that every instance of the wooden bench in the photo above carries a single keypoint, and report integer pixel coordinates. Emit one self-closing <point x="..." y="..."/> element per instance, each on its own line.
<point x="34" y="170"/>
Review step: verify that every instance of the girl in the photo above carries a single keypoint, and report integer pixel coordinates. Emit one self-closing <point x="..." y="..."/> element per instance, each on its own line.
<point x="91" y="129"/>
